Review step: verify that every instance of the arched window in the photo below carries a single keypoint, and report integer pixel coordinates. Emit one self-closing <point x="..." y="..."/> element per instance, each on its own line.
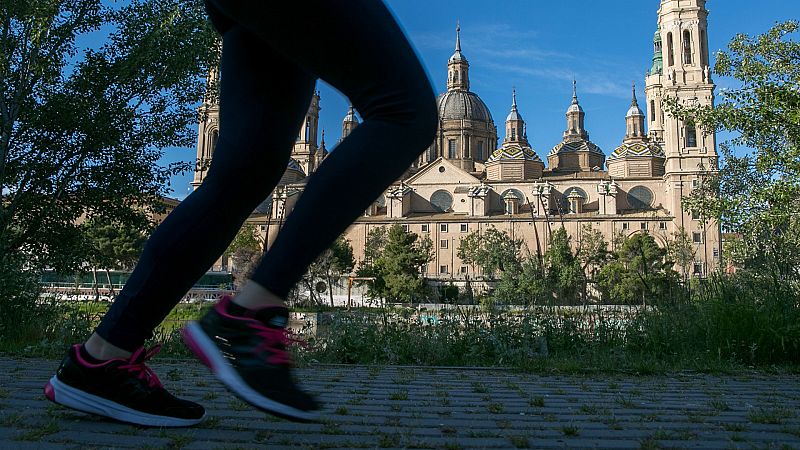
<point x="687" y="47"/>
<point x="513" y="133"/>
<point x="691" y="134"/>
<point x="441" y="201"/>
<point x="451" y="148"/>
<point x="670" y="51"/>
<point x="652" y="110"/>
<point x="214" y="139"/>
<point x="640" y="197"/>
<point x="456" y="75"/>
<point x="566" y="205"/>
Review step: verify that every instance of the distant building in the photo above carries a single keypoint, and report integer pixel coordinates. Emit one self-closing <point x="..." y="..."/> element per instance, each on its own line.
<point x="468" y="181"/>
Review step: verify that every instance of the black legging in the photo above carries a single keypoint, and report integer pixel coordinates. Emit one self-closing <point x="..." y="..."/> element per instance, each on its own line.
<point x="273" y="53"/>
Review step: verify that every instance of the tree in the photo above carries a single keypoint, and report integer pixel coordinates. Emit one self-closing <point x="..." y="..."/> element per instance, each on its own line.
<point x="330" y="266"/>
<point x="82" y="130"/>
<point x="564" y="271"/>
<point x="244" y="251"/>
<point x="113" y="246"/>
<point x="681" y="250"/>
<point x="397" y="266"/>
<point x="638" y="273"/>
<point x="756" y="195"/>
<point x="494" y="251"/>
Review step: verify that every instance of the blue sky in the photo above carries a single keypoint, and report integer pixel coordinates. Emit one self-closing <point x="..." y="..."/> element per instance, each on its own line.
<point x="537" y="47"/>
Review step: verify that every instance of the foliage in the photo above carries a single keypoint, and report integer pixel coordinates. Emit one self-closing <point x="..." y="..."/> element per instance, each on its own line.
<point x="114" y="245"/>
<point x="329" y="266"/>
<point x="757" y="195"/>
<point x="681" y="251"/>
<point x="81" y="130"/>
<point x="397" y="265"/>
<point x="244" y="251"/>
<point x="493" y="250"/>
<point x="564" y="272"/>
<point x="639" y="273"/>
<point x="592" y="251"/>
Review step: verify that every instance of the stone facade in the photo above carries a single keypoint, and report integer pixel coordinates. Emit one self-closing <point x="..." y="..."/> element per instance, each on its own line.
<point x="466" y="182"/>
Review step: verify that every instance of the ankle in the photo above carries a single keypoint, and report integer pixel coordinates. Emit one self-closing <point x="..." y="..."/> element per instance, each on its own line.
<point x="255" y="296"/>
<point x="102" y="350"/>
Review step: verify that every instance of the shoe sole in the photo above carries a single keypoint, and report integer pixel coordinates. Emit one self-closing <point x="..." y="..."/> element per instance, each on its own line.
<point x="58" y="392"/>
<point x="208" y="353"/>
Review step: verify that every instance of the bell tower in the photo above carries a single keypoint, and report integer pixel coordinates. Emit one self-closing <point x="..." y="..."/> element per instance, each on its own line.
<point x="691" y="152"/>
<point x="305" y="148"/>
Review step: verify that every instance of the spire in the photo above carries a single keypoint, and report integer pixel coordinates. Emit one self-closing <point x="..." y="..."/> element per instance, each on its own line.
<point x="633" y="90"/>
<point x="515" y="126"/>
<point x="458" y="67"/>
<point x="322" y="143"/>
<point x="350" y="122"/>
<point x="634" y="109"/>
<point x="458" y="36"/>
<point x="575" y="116"/>
<point x="574" y="91"/>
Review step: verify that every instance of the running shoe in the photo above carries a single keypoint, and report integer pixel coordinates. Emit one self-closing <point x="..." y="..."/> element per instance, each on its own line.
<point x="247" y="351"/>
<point x="122" y="389"/>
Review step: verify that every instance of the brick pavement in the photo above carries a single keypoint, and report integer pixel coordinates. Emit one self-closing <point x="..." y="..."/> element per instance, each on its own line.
<point x="398" y="407"/>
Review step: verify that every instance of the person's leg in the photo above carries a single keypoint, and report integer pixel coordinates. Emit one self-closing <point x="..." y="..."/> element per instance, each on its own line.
<point x="263" y="101"/>
<point x="359" y="48"/>
<point x="259" y="125"/>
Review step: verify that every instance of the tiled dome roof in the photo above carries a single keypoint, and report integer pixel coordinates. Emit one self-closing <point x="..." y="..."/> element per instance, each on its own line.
<point x="458" y="104"/>
<point x="295" y="166"/>
<point x="513" y="151"/>
<point x="640" y="149"/>
<point x="576" y="146"/>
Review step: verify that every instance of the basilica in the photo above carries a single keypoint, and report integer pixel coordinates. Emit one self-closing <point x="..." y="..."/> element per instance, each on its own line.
<point x="470" y="178"/>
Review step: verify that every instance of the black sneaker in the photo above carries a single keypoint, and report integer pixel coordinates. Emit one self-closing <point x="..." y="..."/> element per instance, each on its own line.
<point x="122" y="389"/>
<point x="247" y="352"/>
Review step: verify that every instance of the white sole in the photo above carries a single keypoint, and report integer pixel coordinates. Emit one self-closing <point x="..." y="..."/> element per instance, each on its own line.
<point x="225" y="373"/>
<point x="82" y="401"/>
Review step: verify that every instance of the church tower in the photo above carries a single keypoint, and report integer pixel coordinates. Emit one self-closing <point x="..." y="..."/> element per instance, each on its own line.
<point x="349" y="123"/>
<point x="305" y="148"/>
<point x="576" y="153"/>
<point x="684" y="75"/>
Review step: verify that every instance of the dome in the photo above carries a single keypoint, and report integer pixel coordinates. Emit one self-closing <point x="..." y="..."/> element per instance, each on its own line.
<point x="657" y="37"/>
<point x="457" y="57"/>
<point x="576" y="146"/>
<point x="637" y="149"/>
<point x="515" y="152"/>
<point x="634" y="111"/>
<point x="463" y="105"/>
<point x="575" y="107"/>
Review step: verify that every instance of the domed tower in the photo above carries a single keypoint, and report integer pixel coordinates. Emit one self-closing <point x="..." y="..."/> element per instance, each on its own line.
<point x="575" y="153"/>
<point x="653" y="91"/>
<point x="638" y="156"/>
<point x="349" y="123"/>
<point x="466" y="129"/>
<point x="515" y="159"/>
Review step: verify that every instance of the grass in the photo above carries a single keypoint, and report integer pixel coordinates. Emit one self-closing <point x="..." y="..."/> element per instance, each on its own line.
<point x="570" y="430"/>
<point x="725" y="325"/>
<point x="772" y="416"/>
<point x="537" y="402"/>
<point x="399" y="395"/>
<point x="36" y="434"/>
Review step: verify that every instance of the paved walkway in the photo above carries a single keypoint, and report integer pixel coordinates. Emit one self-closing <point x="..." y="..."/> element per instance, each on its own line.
<point x="396" y="407"/>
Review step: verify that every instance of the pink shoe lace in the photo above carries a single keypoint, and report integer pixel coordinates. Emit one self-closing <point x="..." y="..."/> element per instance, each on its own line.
<point x="276" y="341"/>
<point x="136" y="365"/>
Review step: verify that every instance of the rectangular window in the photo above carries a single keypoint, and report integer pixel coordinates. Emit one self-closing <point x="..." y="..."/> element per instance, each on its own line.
<point x="463" y="269"/>
<point x="443" y="227"/>
<point x="466" y="146"/>
<point x="697" y="237"/>
<point x="643" y="225"/>
<point x="695" y="183"/>
<point x="263" y="227"/>
<point x="426" y="228"/>
<point x="480" y="154"/>
<point x="405" y="227"/>
<point x="451" y="148"/>
<point x="443" y="243"/>
<point x="698" y="269"/>
<point x="625" y="226"/>
<point x="464" y="227"/>
<point x="716" y="253"/>
<point x="695" y="215"/>
<point x="443" y="269"/>
<point x="662" y="225"/>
